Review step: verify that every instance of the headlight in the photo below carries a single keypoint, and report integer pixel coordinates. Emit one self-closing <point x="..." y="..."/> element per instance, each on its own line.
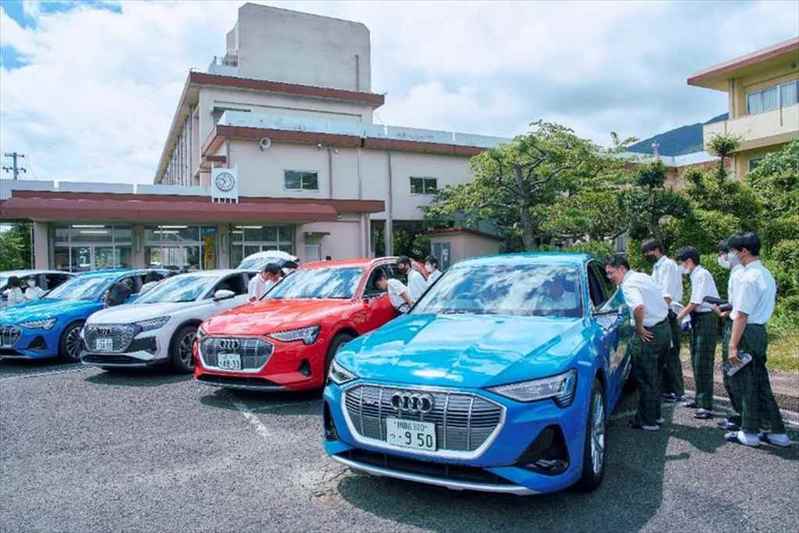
<point x="45" y="323"/>
<point x="339" y="375"/>
<point x="307" y="335"/>
<point x="151" y="324"/>
<point x="560" y="388"/>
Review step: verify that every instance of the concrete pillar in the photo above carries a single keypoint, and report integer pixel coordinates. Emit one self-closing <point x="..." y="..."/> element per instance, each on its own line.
<point x="41" y="246"/>
<point x="388" y="237"/>
<point x="137" y="254"/>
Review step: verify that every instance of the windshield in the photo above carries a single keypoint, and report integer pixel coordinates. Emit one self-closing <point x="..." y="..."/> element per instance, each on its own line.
<point x="81" y="288"/>
<point x="520" y="290"/>
<point x="182" y="288"/>
<point x="319" y="283"/>
<point x="255" y="263"/>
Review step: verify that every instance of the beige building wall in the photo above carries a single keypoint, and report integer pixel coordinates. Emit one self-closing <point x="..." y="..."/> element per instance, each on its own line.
<point x="465" y="245"/>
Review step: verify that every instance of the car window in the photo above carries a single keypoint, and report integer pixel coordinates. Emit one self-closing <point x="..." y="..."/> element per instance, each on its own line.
<point x="506" y="289"/>
<point x="81" y="288"/>
<point x="178" y="289"/>
<point x="233" y="283"/>
<point x="335" y="282"/>
<point x="371" y="288"/>
<point x="596" y="290"/>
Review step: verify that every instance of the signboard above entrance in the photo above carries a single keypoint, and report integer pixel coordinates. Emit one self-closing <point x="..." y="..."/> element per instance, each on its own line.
<point x="225" y="185"/>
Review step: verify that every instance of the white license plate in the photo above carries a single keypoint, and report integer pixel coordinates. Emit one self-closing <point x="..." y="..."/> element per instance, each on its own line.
<point x="411" y="434"/>
<point x="229" y="361"/>
<point x="104" y="344"/>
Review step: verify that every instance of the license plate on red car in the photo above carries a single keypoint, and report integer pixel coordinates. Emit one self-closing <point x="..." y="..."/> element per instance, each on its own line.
<point x="411" y="434"/>
<point x="229" y="361"/>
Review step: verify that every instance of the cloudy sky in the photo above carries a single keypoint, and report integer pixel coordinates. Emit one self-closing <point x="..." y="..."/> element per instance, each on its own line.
<point x="88" y="90"/>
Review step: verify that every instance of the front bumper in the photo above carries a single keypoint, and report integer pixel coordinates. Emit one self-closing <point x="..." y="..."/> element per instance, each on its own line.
<point x="292" y="366"/>
<point x="32" y="343"/>
<point x="501" y="466"/>
<point x="143" y="351"/>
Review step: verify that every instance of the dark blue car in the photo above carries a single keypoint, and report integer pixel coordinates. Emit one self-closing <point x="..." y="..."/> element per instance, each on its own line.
<point x="50" y="326"/>
<point x="500" y="379"/>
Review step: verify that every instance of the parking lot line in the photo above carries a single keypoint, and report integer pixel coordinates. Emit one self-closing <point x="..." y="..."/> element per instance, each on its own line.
<point x="253" y="419"/>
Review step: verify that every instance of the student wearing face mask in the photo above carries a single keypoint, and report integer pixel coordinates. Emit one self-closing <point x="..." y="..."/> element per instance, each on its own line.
<point x="752" y="307"/>
<point x="704" y="329"/>
<point x="13" y="293"/>
<point x="416" y="282"/>
<point x="431" y="266"/>
<point x="32" y="292"/>
<point x="731" y="263"/>
<point x="667" y="275"/>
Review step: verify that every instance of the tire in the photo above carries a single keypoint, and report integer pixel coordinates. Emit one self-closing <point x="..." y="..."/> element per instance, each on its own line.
<point x="595" y="446"/>
<point x="338" y="341"/>
<point x="181" y="357"/>
<point x="70" y="344"/>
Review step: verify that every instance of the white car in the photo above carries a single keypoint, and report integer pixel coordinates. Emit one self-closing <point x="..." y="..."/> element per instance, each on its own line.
<point x="159" y="327"/>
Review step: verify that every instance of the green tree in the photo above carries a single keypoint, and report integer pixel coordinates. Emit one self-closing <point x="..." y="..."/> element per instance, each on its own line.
<point x="722" y="146"/>
<point x="516" y="183"/>
<point x="775" y="182"/>
<point x="15" y="244"/>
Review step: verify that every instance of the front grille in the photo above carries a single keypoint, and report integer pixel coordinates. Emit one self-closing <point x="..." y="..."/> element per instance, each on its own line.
<point x="254" y="352"/>
<point x="464" y="422"/>
<point x="469" y="474"/>
<point x="9" y="335"/>
<point x="111" y="360"/>
<point x="121" y="336"/>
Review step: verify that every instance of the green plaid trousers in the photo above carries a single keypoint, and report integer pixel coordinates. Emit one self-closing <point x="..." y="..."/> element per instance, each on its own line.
<point x="757" y="399"/>
<point x="704" y="335"/>
<point x="671" y="367"/>
<point x="647" y="358"/>
<point x="733" y="392"/>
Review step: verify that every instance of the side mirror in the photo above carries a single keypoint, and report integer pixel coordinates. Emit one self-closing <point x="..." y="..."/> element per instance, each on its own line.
<point x="223" y="294"/>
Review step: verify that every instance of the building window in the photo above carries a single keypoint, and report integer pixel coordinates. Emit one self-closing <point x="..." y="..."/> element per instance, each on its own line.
<point x="301" y="180"/>
<point x="424" y="185"/>
<point x="754" y="162"/>
<point x="179" y="246"/>
<point x="771" y="98"/>
<point x="83" y="247"/>
<point x="247" y="240"/>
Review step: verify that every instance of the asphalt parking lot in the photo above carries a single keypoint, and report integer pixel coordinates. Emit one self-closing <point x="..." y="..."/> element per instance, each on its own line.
<point x="85" y="450"/>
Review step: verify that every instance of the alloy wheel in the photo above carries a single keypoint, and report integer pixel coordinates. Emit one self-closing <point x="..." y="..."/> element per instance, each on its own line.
<point x="72" y="343"/>
<point x="597" y="433"/>
<point x="185" y="349"/>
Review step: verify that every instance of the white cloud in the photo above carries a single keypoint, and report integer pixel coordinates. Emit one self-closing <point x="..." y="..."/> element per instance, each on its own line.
<point x="97" y="95"/>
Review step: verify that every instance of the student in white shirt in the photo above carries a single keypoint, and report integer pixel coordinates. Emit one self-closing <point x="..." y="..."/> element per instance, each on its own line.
<point x="32" y="292"/>
<point x="704" y="330"/>
<point x="13" y="293"/>
<point x="667" y="275"/>
<point x="398" y="293"/>
<point x="733" y="264"/>
<point x="431" y="266"/>
<point x="653" y="337"/>
<point x="416" y="282"/>
<point x="265" y="280"/>
<point x="752" y="307"/>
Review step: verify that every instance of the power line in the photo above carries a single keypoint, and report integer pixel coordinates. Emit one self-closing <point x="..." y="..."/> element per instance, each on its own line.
<point x="15" y="168"/>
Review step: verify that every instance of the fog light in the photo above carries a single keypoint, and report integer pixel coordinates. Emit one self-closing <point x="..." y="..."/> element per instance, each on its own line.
<point x="547" y="454"/>
<point x="330" y="426"/>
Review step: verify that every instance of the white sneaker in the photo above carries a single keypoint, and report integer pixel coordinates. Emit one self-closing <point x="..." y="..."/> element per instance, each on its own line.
<point x="650" y="428"/>
<point x="660" y="420"/>
<point x="747" y="439"/>
<point x="777" y="439"/>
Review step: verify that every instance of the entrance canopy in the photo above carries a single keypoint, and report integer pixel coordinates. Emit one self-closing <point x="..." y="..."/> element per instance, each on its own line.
<point x="47" y="206"/>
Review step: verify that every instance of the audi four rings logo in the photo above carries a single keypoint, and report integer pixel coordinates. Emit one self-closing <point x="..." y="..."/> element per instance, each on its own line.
<point x="229" y="344"/>
<point x="412" y="402"/>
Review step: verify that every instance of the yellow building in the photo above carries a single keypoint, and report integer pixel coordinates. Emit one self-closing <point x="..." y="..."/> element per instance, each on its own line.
<point x="763" y="109"/>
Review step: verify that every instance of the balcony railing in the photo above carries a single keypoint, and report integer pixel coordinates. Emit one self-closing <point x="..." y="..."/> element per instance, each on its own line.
<point x="227" y="65"/>
<point x="759" y="130"/>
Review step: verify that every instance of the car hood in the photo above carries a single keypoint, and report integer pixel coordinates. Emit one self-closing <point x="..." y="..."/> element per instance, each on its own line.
<point x="465" y="350"/>
<point x="46" y="308"/>
<point x="126" y="313"/>
<point x="268" y="316"/>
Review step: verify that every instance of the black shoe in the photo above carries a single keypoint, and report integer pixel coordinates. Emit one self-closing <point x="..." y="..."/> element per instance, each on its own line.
<point x="636" y="425"/>
<point x="669" y="398"/>
<point x="703" y="414"/>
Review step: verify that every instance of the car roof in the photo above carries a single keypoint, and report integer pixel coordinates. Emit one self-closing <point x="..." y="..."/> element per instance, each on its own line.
<point x="21" y="273"/>
<point x="220" y="272"/>
<point x="531" y="258"/>
<point x="116" y="273"/>
<point x="354" y="262"/>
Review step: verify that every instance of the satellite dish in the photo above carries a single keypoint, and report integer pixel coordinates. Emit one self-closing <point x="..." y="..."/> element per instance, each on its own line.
<point x="264" y="143"/>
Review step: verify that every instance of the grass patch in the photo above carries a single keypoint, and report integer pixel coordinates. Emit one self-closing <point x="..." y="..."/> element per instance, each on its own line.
<point x="783" y="342"/>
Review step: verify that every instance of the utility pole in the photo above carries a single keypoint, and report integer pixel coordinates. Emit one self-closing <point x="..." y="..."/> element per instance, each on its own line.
<point x="15" y="168"/>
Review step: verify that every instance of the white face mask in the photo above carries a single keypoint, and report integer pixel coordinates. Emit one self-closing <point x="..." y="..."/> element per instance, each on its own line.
<point x="31" y="283"/>
<point x="429" y="268"/>
<point x="684" y="270"/>
<point x="733" y="258"/>
<point x="723" y="262"/>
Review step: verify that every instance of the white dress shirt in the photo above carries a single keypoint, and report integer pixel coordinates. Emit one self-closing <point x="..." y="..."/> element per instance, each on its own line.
<point x="734" y="283"/>
<point x="667" y="274"/>
<point x="416" y="284"/>
<point x="258" y="287"/>
<point x="395" y="290"/>
<point x="702" y="284"/>
<point x="33" y="293"/>
<point x="434" y="275"/>
<point x="756" y="294"/>
<point x="14" y="296"/>
<point x="640" y="289"/>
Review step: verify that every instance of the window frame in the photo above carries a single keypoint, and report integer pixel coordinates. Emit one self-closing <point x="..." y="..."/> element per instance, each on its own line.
<point x="425" y="182"/>
<point x="760" y="94"/>
<point x="302" y="176"/>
